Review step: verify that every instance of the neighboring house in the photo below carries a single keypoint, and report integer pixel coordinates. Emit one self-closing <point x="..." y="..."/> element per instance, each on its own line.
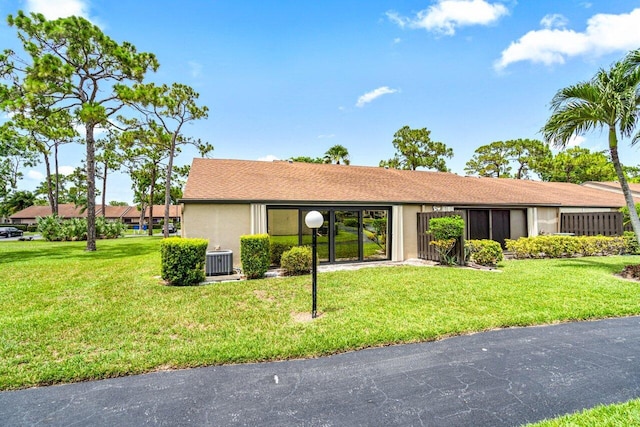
<point x="132" y="216"/>
<point x="613" y="186"/>
<point x="370" y="212"/>
<point x="127" y="214"/>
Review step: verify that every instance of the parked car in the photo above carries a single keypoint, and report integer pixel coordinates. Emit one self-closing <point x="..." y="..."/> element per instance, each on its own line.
<point x="171" y="228"/>
<point x="10" y="232"/>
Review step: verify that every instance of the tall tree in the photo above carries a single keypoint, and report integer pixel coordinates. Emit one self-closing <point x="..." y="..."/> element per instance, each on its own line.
<point x="74" y="63"/>
<point x="577" y="165"/>
<point x="414" y="149"/>
<point x="108" y="159"/>
<point x="337" y="154"/>
<point x="499" y="158"/>
<point x="527" y="154"/>
<point x="15" y="154"/>
<point x="44" y="130"/>
<point x="144" y="159"/>
<point x="608" y="101"/>
<point x="166" y="110"/>
<point x="491" y="160"/>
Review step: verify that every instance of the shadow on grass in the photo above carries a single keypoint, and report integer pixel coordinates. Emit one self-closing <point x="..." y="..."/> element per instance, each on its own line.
<point x="606" y="264"/>
<point x="74" y="251"/>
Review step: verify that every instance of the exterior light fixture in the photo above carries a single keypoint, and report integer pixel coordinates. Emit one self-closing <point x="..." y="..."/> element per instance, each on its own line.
<point x="314" y="220"/>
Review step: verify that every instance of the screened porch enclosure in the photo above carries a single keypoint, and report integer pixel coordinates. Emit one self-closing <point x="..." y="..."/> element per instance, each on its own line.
<point x="348" y="234"/>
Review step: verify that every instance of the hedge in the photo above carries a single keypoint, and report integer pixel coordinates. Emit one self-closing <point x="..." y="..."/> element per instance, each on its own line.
<point x="254" y="255"/>
<point x="569" y="246"/>
<point x="483" y="252"/>
<point x="297" y="260"/>
<point x="183" y="260"/>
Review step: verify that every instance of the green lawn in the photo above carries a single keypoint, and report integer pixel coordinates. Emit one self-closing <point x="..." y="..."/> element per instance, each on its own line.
<point x="621" y="415"/>
<point x="69" y="315"/>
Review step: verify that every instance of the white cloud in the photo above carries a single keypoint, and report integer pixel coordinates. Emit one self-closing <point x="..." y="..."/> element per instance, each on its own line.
<point x="575" y="141"/>
<point x="604" y="34"/>
<point x="268" y="158"/>
<point x="66" y="170"/>
<point x="59" y="8"/>
<point x="196" y="69"/>
<point x="376" y="93"/>
<point x="446" y="16"/>
<point x="555" y="20"/>
<point x="35" y="175"/>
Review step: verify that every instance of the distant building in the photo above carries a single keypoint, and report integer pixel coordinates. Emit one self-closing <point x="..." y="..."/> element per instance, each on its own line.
<point x="126" y="214"/>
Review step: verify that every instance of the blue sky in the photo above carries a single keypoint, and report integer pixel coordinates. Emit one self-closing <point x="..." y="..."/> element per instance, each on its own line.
<point x="292" y="78"/>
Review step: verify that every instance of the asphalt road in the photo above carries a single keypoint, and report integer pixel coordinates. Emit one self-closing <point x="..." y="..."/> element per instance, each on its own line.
<point x="498" y="378"/>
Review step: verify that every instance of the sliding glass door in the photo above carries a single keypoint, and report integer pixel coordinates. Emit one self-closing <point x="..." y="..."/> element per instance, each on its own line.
<point x="347" y="234"/>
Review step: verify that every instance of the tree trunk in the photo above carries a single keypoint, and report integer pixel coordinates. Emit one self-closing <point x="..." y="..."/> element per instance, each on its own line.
<point x="167" y="189"/>
<point x="633" y="214"/>
<point x="52" y="203"/>
<point x="151" y="196"/>
<point x="56" y="199"/>
<point x="104" y="190"/>
<point x="91" y="188"/>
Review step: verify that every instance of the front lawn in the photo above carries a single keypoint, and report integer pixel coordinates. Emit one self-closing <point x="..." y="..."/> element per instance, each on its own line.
<point x="69" y="315"/>
<point x="617" y="415"/>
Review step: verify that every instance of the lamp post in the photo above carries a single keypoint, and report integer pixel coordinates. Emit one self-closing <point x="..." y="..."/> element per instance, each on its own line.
<point x="314" y="220"/>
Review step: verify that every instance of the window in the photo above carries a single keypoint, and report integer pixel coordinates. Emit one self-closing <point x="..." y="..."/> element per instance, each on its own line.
<point x="348" y="234"/>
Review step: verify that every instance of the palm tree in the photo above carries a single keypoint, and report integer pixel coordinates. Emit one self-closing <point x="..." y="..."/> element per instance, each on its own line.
<point x="337" y="154"/>
<point x="608" y="101"/>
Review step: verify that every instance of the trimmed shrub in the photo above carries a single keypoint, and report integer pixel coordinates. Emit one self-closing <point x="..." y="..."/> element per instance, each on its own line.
<point x="446" y="231"/>
<point x="484" y="252"/>
<point x="276" y="251"/>
<point x="183" y="260"/>
<point x="567" y="246"/>
<point x="631" y="243"/>
<point x="297" y="260"/>
<point x="254" y="255"/>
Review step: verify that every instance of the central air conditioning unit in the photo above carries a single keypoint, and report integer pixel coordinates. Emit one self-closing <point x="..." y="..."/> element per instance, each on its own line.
<point x="219" y="262"/>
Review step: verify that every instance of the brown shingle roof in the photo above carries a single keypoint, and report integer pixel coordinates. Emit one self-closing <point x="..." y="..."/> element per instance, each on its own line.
<point x="158" y="212"/>
<point x="243" y="180"/>
<point x="70" y="211"/>
<point x="613" y="186"/>
<point x="64" y="211"/>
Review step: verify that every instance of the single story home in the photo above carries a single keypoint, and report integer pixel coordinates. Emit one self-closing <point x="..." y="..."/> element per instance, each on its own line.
<point x="614" y="186"/>
<point x="370" y="212"/>
<point x="126" y="214"/>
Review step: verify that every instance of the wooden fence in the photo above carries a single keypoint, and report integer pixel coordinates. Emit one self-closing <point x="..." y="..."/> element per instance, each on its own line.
<point x="592" y="223"/>
<point x="428" y="251"/>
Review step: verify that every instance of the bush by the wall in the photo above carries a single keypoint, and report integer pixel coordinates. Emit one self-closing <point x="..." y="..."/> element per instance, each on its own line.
<point x="484" y="252"/>
<point x="254" y="255"/>
<point x="297" y="260"/>
<point x="567" y="246"/>
<point x="446" y="231"/>
<point x="631" y="243"/>
<point x="183" y="260"/>
<point x="276" y="250"/>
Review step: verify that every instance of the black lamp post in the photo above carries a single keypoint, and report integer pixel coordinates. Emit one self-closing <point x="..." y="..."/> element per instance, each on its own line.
<point x="314" y="220"/>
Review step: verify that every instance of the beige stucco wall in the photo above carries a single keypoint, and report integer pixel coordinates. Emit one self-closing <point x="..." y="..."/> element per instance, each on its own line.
<point x="548" y="220"/>
<point x="410" y="230"/>
<point x="222" y="225"/>
<point x="518" y="221"/>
